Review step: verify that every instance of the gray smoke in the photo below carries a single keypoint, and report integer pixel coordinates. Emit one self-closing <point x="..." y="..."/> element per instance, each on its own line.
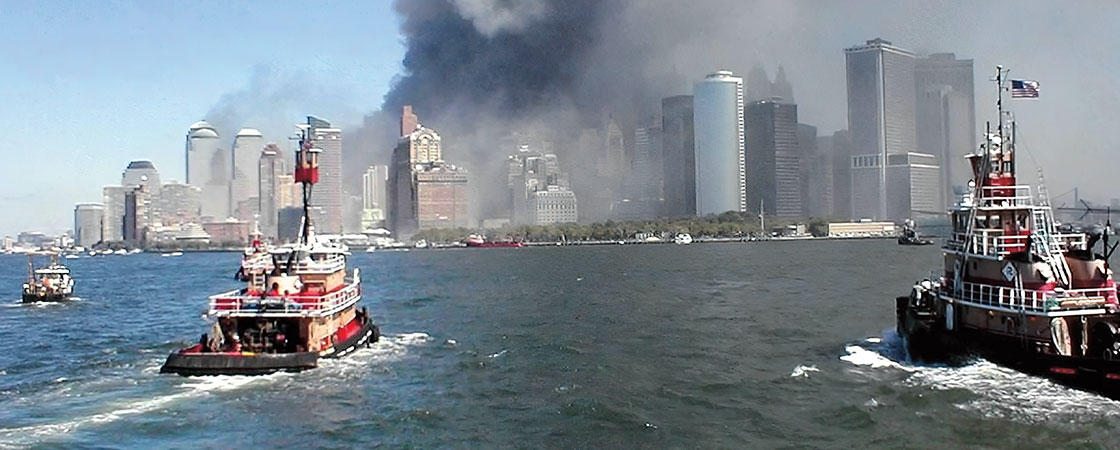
<point x="476" y="70"/>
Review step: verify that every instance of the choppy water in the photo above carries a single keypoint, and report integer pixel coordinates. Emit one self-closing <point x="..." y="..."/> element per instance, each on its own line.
<point x="755" y="345"/>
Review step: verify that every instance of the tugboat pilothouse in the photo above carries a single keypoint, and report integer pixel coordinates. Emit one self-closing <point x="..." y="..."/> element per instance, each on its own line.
<point x="299" y="303"/>
<point x="1014" y="289"/>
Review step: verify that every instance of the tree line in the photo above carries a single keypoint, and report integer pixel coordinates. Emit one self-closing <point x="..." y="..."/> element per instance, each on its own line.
<point x="730" y="224"/>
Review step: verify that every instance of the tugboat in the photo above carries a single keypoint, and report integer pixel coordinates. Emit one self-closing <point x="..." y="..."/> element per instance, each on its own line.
<point x="478" y="241"/>
<point x="1014" y="289"/>
<point x="298" y="304"/>
<point x="51" y="283"/>
<point x="909" y="235"/>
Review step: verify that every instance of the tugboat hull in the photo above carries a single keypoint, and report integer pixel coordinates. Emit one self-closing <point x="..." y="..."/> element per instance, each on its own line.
<point x="31" y="298"/>
<point x="192" y="362"/>
<point x="927" y="340"/>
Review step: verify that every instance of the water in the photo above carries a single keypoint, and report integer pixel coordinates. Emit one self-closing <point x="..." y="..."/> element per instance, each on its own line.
<point x="755" y="345"/>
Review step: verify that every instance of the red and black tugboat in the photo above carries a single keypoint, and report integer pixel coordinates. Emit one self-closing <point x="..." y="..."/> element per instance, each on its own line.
<point x="298" y="305"/>
<point x="1014" y="289"/>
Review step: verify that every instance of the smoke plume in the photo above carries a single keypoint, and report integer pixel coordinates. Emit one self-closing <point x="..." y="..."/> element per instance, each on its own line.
<point x="476" y="70"/>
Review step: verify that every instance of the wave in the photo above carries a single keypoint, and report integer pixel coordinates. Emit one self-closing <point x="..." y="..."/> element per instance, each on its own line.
<point x="802" y="371"/>
<point x="388" y="348"/>
<point x="193" y="387"/>
<point x="997" y="391"/>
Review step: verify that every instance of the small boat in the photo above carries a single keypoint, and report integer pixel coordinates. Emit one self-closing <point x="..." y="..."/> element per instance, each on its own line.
<point x="121" y="252"/>
<point x="135" y="251"/>
<point x="50" y="283"/>
<point x="478" y="241"/>
<point x="1014" y="288"/>
<point x="909" y="235"/>
<point x="683" y="239"/>
<point x="172" y="254"/>
<point x="298" y="304"/>
<point x="421" y="244"/>
<point x="72" y="256"/>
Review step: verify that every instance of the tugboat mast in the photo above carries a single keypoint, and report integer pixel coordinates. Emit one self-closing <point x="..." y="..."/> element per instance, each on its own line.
<point x="307" y="174"/>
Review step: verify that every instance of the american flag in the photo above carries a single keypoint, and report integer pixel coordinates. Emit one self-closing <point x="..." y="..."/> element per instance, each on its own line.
<point x="1024" y="89"/>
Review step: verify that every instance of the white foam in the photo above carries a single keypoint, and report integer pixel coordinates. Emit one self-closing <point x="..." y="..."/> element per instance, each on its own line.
<point x="388" y="347"/>
<point x="999" y="392"/>
<point x="862" y="357"/>
<point x="193" y="387"/>
<point x="495" y="355"/>
<point x="802" y="371"/>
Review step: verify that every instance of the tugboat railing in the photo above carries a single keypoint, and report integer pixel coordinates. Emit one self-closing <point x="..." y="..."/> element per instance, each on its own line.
<point x="1033" y="300"/>
<point x="237" y="303"/>
<point x="330" y="265"/>
<point x="998" y="244"/>
<point x="1006" y="196"/>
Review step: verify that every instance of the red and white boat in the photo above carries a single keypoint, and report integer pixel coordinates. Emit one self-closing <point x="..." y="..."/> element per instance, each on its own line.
<point x="478" y="241"/>
<point x="299" y="304"/>
<point x="1014" y="288"/>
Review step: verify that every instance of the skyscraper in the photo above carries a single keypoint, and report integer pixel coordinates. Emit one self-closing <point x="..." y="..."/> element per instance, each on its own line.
<point x="87" y="223"/>
<point x="678" y="156"/>
<point x="137" y="206"/>
<point x="946" y="118"/>
<point x="539" y="191"/>
<point x="816" y="172"/>
<point x="773" y="160"/>
<point x="245" y="182"/>
<point x="840" y="144"/>
<point x="327" y="194"/>
<point x="613" y="162"/>
<point x="442" y="196"/>
<point x="143" y="173"/>
<point x="882" y="123"/>
<point x="419" y="147"/>
<point x="269" y="169"/>
<point x="180" y="204"/>
<point x="644" y="185"/>
<point x="374" y="184"/>
<point x="208" y="169"/>
<point x="112" y="227"/>
<point x="719" y="128"/>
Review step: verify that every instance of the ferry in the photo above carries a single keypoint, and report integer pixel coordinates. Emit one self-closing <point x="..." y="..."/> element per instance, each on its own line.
<point x="478" y="241"/>
<point x="1014" y="288"/>
<point x="299" y="303"/>
<point x="50" y="283"/>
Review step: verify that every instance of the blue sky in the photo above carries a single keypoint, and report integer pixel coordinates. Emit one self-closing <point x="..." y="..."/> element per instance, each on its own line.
<point x="87" y="86"/>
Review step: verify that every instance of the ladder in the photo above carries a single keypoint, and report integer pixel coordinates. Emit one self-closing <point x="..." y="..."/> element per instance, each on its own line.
<point x="1042" y="237"/>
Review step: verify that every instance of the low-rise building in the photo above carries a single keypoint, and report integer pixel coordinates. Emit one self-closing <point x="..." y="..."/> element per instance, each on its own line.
<point x="861" y="229"/>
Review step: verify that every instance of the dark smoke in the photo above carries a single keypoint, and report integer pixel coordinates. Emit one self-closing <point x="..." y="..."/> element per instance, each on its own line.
<point x="476" y="70"/>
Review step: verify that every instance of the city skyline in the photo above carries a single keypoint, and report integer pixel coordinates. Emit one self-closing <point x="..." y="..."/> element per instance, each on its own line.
<point x="100" y="153"/>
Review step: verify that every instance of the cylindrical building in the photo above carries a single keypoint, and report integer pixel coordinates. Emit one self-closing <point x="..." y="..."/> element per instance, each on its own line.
<point x="719" y="134"/>
<point x="247" y="147"/>
<point x="208" y="169"/>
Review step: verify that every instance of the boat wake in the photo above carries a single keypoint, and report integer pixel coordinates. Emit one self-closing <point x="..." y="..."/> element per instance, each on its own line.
<point x="997" y="391"/>
<point x="192" y="387"/>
